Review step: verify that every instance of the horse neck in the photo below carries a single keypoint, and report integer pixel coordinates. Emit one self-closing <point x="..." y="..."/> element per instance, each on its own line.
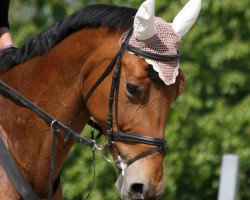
<point x="52" y="81"/>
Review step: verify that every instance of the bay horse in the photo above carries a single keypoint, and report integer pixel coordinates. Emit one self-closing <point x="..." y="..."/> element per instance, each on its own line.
<point x="56" y="70"/>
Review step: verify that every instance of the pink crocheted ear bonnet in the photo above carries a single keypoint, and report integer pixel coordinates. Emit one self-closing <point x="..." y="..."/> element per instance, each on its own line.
<point x="153" y="35"/>
<point x="164" y="42"/>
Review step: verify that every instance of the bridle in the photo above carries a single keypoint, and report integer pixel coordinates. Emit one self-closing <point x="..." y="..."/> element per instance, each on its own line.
<point x="112" y="137"/>
<point x="8" y="163"/>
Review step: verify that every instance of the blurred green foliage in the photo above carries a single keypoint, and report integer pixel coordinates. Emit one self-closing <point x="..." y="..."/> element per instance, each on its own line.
<point x="211" y="118"/>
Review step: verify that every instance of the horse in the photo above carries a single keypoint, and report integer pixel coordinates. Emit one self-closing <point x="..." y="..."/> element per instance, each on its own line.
<point x="56" y="70"/>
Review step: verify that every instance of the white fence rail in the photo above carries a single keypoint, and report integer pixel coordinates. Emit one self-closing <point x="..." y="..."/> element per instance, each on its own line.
<point x="229" y="177"/>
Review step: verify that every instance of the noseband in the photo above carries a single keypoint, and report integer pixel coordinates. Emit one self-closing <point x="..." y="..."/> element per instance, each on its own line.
<point x="159" y="144"/>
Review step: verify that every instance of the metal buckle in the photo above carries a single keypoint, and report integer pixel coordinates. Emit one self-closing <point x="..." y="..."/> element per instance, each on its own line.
<point x="53" y="126"/>
<point x="96" y="146"/>
<point x="106" y="148"/>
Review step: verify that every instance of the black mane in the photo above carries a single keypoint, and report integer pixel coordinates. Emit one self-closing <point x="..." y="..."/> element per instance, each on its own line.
<point x="94" y="16"/>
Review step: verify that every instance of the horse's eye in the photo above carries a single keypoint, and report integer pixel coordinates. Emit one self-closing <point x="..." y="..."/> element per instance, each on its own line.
<point x="133" y="90"/>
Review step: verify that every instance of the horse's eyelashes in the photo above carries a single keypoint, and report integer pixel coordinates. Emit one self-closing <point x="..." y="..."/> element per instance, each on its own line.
<point x="133" y="90"/>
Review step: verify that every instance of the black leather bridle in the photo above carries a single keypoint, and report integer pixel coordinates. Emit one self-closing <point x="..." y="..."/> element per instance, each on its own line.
<point x="159" y="144"/>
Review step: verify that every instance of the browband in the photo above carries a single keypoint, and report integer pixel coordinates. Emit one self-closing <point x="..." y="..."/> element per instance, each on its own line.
<point x="152" y="56"/>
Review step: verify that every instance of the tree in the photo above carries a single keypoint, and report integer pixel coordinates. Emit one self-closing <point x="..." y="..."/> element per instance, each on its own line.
<point x="211" y="117"/>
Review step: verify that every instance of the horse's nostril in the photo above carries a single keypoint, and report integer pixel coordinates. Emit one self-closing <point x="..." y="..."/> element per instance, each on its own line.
<point x="137" y="188"/>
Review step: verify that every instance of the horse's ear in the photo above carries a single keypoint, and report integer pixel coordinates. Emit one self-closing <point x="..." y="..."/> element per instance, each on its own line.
<point x="186" y="17"/>
<point x="144" y="22"/>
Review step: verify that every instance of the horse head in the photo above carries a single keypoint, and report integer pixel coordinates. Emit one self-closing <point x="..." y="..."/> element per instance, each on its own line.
<point x="145" y="82"/>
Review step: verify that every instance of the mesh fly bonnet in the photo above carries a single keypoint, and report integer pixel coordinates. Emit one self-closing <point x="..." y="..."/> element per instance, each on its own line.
<point x="153" y="35"/>
<point x="164" y="42"/>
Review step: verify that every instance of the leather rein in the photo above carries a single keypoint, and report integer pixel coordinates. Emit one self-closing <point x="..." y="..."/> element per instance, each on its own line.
<point x="8" y="163"/>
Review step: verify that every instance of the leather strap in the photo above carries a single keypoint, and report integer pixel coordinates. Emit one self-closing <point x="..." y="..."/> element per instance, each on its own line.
<point x="120" y="136"/>
<point x="159" y="143"/>
<point x="48" y="118"/>
<point x="152" y="56"/>
<point x="144" y="154"/>
<point x="21" y="184"/>
<point x="107" y="71"/>
<point x="102" y="77"/>
<point x="52" y="162"/>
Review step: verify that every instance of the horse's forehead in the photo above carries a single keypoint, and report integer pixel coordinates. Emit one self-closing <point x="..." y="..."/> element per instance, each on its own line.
<point x="135" y="66"/>
<point x="133" y="61"/>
